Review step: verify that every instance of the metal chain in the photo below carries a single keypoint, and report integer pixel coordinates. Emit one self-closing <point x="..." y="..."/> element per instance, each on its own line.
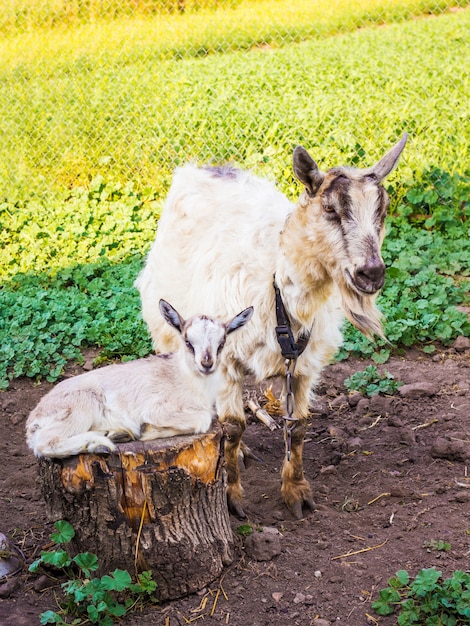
<point x="289" y="420"/>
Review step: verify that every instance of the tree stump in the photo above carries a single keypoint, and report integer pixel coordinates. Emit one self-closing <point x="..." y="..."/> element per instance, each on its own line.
<point x="158" y="505"/>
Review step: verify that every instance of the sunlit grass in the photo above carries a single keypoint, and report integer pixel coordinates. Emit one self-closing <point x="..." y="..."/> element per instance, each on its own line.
<point x="241" y="25"/>
<point x="130" y="98"/>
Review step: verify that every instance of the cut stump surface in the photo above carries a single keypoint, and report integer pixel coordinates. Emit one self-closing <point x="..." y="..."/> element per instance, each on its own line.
<point x="158" y="505"/>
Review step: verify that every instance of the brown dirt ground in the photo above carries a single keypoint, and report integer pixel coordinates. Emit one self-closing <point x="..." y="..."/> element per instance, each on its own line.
<point x="382" y="487"/>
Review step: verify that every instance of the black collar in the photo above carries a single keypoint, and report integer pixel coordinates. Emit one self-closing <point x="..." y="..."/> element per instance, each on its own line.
<point x="290" y="349"/>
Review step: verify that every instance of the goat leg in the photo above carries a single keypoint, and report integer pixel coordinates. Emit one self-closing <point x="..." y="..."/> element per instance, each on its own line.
<point x="233" y="429"/>
<point x="295" y="490"/>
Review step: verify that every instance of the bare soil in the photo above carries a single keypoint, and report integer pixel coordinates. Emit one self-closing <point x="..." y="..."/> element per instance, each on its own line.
<point x="389" y="476"/>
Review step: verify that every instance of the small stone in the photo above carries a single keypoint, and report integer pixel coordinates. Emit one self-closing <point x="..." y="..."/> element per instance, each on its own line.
<point x="277" y="595"/>
<point x="354" y="443"/>
<point x="264" y="545"/>
<point x="9" y="587"/>
<point x="16" y="418"/>
<point x="299" y="598"/>
<point x="329" y="469"/>
<point x="407" y="436"/>
<point x="340" y="402"/>
<point x="7" y="404"/>
<point x="335" y="579"/>
<point x="321" y="622"/>
<point x="317" y="573"/>
<point x="319" y="406"/>
<point x="354" y="399"/>
<point x="362" y="406"/>
<point x="336" y="433"/>
<point x="380" y="404"/>
<point x="462" y="497"/>
<point x="42" y="583"/>
<point x="395" y="421"/>
<point x="461" y="344"/>
<point x="450" y="450"/>
<point x="417" y="390"/>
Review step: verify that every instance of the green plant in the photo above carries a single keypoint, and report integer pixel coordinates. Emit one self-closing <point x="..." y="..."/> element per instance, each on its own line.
<point x="92" y="599"/>
<point x="245" y="530"/>
<point x="428" y="600"/>
<point x="438" y="545"/>
<point x="370" y="382"/>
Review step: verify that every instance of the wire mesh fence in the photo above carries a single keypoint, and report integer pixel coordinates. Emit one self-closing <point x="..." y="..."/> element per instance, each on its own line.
<point x="127" y="89"/>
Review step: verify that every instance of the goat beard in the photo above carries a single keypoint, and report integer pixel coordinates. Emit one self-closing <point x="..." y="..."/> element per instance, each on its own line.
<point x="363" y="313"/>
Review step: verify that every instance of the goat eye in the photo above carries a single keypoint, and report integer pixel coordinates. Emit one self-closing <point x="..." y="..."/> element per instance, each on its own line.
<point x="220" y="347"/>
<point x="189" y="345"/>
<point x="330" y="209"/>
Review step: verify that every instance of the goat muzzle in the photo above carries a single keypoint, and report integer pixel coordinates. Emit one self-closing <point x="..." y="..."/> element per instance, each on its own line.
<point x="370" y="277"/>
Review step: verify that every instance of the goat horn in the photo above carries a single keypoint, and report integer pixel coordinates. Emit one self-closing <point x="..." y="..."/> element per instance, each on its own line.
<point x="388" y="162"/>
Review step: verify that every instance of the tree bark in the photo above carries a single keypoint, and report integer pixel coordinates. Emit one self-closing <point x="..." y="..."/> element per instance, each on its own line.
<point x="158" y="505"/>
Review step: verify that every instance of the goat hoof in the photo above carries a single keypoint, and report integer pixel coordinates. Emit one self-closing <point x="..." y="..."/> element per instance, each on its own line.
<point x="102" y="450"/>
<point x="120" y="437"/>
<point x="236" y="509"/>
<point x="297" y="507"/>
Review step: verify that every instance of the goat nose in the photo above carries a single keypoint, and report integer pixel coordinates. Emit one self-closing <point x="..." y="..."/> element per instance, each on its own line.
<point x="207" y="362"/>
<point x="370" y="277"/>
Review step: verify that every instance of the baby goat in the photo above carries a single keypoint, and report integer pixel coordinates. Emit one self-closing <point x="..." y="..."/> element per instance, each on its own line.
<point x="160" y="396"/>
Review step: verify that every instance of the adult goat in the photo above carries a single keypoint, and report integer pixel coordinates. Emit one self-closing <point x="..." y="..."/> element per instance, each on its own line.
<point x="224" y="234"/>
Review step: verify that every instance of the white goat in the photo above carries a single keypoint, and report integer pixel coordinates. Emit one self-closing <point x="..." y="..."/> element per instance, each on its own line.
<point x="160" y="396"/>
<point x="224" y="234"/>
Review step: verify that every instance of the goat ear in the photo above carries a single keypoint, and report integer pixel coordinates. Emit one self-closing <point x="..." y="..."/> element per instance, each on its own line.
<point x="388" y="162"/>
<point x="171" y="315"/>
<point x="239" y="320"/>
<point x="307" y="170"/>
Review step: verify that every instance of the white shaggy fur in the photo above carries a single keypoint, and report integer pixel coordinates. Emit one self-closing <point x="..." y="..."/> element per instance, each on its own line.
<point x="224" y="234"/>
<point x="159" y="396"/>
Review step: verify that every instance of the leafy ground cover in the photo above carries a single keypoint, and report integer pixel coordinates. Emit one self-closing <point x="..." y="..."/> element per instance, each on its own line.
<point x="68" y="276"/>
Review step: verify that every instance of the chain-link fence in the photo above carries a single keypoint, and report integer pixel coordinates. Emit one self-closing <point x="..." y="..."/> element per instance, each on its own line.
<point x="127" y="89"/>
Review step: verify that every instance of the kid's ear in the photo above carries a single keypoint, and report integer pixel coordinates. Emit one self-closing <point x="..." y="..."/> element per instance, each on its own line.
<point x="239" y="320"/>
<point x="171" y="315"/>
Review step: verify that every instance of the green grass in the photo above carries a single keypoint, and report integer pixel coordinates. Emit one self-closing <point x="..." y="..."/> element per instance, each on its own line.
<point x="126" y="99"/>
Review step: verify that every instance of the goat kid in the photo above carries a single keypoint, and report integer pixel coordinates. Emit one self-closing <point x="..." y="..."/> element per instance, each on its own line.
<point x="160" y="396"/>
<point x="225" y="233"/>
